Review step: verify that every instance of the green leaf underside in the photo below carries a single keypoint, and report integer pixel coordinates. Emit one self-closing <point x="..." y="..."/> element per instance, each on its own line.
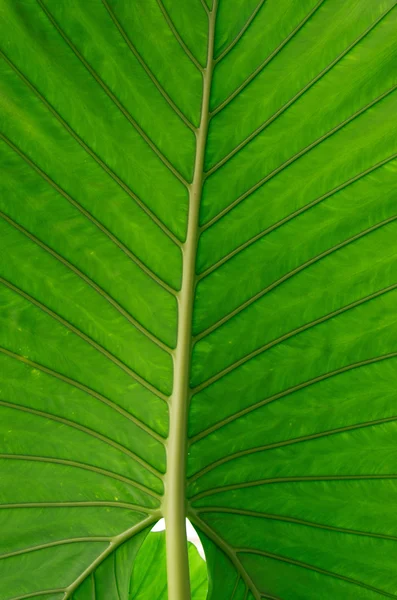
<point x="292" y="426"/>
<point x="149" y="577"/>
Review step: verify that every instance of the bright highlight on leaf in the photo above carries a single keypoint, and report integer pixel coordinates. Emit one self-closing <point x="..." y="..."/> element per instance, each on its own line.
<point x="198" y="303"/>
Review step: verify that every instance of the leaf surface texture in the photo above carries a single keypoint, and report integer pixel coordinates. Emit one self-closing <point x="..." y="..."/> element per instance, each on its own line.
<point x="291" y="429"/>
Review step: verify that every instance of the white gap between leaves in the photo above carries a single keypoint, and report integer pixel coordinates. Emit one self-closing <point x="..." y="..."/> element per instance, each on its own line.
<point x="190" y="534"/>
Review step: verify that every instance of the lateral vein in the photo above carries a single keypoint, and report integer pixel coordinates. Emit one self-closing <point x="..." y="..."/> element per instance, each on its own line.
<point x="90" y="341"/>
<point x="292" y="216"/>
<point x="256" y="72"/>
<point x="83" y="466"/>
<point x="286" y="519"/>
<point x="116" y="542"/>
<point x="115" y="576"/>
<point x="126" y="505"/>
<point x="291" y="442"/>
<point x="281" y="480"/>
<point x="204" y="5"/>
<point x="54" y="544"/>
<point x="285" y="107"/>
<point x="303" y="565"/>
<point x="295" y="271"/>
<point x="248" y="22"/>
<point x="112" y="97"/>
<point x="88" y="430"/>
<point x="149" y="73"/>
<point x="39" y="593"/>
<point x="237" y="580"/>
<point x="79" y="333"/>
<point x="86" y="390"/>
<point x="291" y="390"/>
<point x="299" y="154"/>
<point x="75" y="204"/>
<point x="105" y="167"/>
<point x="227" y="550"/>
<point x="298" y="330"/>
<point x="178" y="37"/>
<point x="90" y="282"/>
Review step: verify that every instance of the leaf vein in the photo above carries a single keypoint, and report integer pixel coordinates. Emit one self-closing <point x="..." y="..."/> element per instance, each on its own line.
<point x="125" y="505"/>
<point x="256" y="72"/>
<point x="285" y="107"/>
<point x="303" y="565"/>
<point x="293" y="215"/>
<point x="86" y="390"/>
<point x="88" y="430"/>
<point x="178" y="37"/>
<point x="228" y="551"/>
<point x="149" y="73"/>
<point x="204" y="5"/>
<point x="286" y="519"/>
<point x="111" y="357"/>
<point x="39" y="593"/>
<point x="105" y="167"/>
<point x="291" y="442"/>
<point x="248" y="22"/>
<point x="89" y="282"/>
<point x="85" y="213"/>
<point x="120" y="539"/>
<point x="278" y="480"/>
<point x="291" y="390"/>
<point x="237" y="580"/>
<point x="112" y="97"/>
<point x="299" y="154"/>
<point x="294" y="332"/>
<point x="53" y="544"/>
<point x="294" y="272"/>
<point x="83" y="466"/>
<point x="115" y="576"/>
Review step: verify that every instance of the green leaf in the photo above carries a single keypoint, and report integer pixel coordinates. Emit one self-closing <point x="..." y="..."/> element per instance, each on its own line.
<point x="198" y="311"/>
<point x="149" y="577"/>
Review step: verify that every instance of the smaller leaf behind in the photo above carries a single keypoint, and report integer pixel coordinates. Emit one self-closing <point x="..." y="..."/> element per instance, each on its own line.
<point x="149" y="577"/>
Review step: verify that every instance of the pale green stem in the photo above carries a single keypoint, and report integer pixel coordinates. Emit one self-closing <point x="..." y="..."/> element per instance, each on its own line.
<point x="175" y="481"/>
